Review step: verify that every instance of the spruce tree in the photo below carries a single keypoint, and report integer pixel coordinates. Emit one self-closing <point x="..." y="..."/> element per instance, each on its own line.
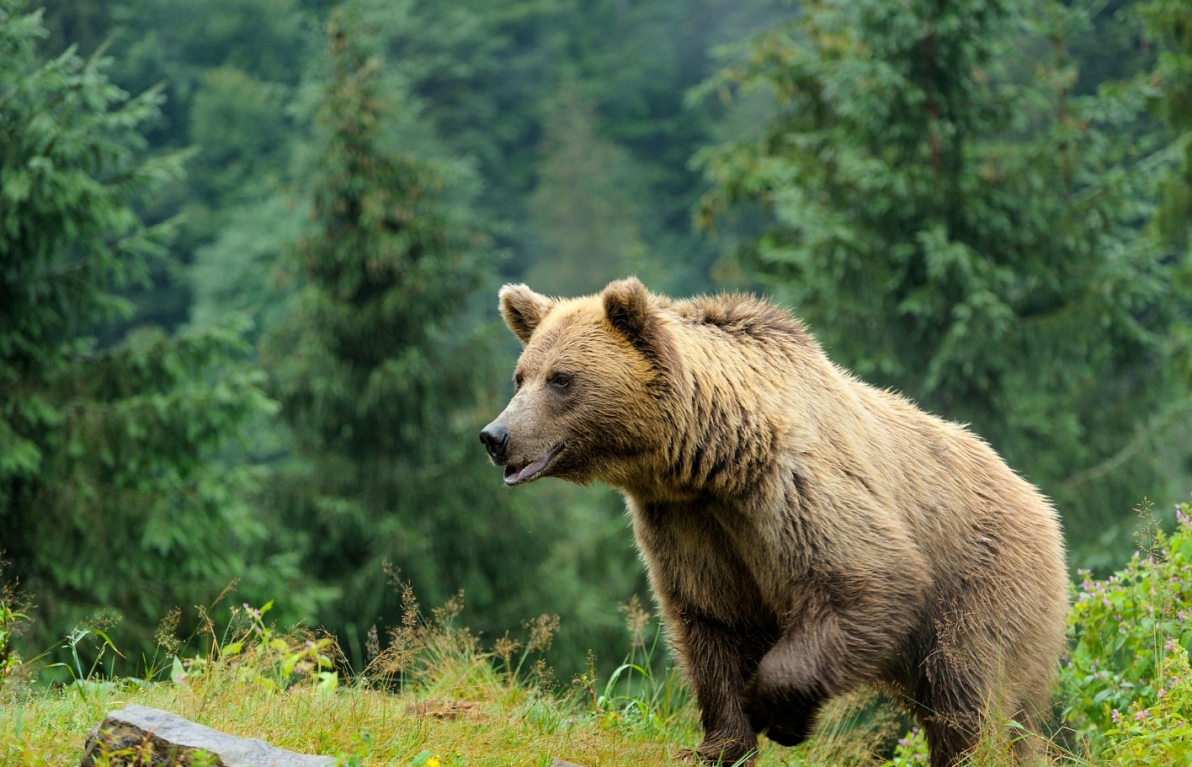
<point x="111" y="495"/>
<point x="1169" y="85"/>
<point x="955" y="225"/>
<point x="384" y="378"/>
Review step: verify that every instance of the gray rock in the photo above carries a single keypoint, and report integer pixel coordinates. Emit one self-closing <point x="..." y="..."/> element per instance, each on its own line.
<point x="161" y="739"/>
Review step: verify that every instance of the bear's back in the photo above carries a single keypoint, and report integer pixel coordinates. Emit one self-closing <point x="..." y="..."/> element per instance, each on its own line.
<point x="987" y="535"/>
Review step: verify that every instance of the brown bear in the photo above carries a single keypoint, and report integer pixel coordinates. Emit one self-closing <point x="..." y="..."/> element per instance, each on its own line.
<point x="804" y="532"/>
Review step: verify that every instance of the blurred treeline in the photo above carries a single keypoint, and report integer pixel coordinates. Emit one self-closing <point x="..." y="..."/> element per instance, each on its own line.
<point x="247" y="316"/>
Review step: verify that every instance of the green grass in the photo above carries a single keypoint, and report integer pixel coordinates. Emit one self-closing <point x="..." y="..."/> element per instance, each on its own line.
<point x="432" y="692"/>
<point x="433" y="695"/>
<point x="469" y="715"/>
<point x="450" y="700"/>
<point x="508" y="726"/>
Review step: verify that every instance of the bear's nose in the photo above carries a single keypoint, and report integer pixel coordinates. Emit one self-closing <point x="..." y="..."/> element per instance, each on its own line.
<point x="495" y="437"/>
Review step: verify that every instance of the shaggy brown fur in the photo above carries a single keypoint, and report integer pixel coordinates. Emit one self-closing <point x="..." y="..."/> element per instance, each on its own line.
<point x="804" y="532"/>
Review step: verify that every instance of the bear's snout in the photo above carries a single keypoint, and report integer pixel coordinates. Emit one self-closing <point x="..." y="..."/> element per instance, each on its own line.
<point x="495" y="437"/>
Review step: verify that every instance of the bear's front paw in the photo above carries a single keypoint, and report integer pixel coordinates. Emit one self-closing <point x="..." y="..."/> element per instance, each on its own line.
<point x="761" y="702"/>
<point x="756" y="710"/>
<point x="786" y="719"/>
<point x="785" y="735"/>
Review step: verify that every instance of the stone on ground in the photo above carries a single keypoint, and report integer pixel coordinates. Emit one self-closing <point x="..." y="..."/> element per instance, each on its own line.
<point x="138" y="735"/>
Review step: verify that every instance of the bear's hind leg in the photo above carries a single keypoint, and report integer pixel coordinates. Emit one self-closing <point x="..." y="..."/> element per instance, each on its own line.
<point x="946" y="741"/>
<point x="951" y="737"/>
<point x="950" y="701"/>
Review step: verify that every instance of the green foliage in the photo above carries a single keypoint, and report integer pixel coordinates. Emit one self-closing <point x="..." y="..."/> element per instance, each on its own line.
<point x="361" y="367"/>
<point x="1170" y="86"/>
<point x="1107" y="45"/>
<point x="230" y="70"/>
<point x="539" y="94"/>
<point x="586" y="206"/>
<point x="1162" y="732"/>
<point x="1131" y="636"/>
<point x="109" y="497"/>
<point x="240" y="127"/>
<point x="966" y="232"/>
<point x="68" y="174"/>
<point x="262" y="655"/>
<point x="11" y="624"/>
<point x="380" y="381"/>
<point x="911" y="750"/>
<point x="644" y="693"/>
<point x="179" y="41"/>
<point x="551" y="548"/>
<point x="240" y="272"/>
<point x="82" y="23"/>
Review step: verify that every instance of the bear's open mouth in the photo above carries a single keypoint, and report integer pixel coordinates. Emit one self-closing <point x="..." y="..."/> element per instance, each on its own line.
<point x="515" y="474"/>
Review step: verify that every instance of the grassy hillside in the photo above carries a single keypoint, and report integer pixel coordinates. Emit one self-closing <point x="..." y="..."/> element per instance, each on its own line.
<point x="435" y="694"/>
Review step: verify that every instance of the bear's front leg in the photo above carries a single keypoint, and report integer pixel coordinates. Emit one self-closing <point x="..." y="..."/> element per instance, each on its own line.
<point x="828" y="647"/>
<point x="718" y="658"/>
<point x="785" y="712"/>
<point x="793" y="680"/>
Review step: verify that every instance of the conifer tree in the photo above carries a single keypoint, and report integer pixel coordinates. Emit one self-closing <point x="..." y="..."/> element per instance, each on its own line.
<point x="961" y="229"/>
<point x="1169" y="22"/>
<point x="379" y="378"/>
<point x="111" y="497"/>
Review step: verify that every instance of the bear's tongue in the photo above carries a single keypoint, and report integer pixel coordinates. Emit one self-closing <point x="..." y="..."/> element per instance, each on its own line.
<point x="513" y="474"/>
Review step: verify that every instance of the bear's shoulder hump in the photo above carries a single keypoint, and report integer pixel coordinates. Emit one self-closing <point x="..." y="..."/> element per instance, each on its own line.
<point x="744" y="315"/>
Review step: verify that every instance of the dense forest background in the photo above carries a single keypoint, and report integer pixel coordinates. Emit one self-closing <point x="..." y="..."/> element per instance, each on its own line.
<point x="248" y="322"/>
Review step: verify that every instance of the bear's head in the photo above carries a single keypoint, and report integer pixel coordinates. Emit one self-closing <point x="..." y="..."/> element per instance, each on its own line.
<point x="588" y="388"/>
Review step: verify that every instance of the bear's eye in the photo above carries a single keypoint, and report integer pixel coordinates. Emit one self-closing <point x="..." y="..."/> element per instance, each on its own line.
<point x="518" y="380"/>
<point x="559" y="380"/>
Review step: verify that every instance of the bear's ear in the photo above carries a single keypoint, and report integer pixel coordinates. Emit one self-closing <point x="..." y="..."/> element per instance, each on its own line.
<point x="523" y="309"/>
<point x="627" y="304"/>
<point x="632" y="313"/>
